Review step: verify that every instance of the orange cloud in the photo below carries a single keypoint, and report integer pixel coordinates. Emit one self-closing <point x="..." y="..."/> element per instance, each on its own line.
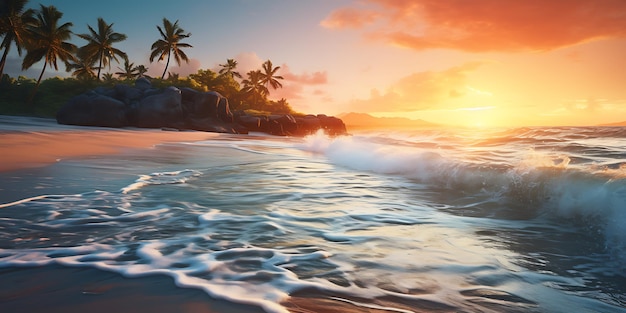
<point x="349" y="18"/>
<point x="314" y="78"/>
<point x="246" y="62"/>
<point x="418" y="91"/>
<point x="485" y="25"/>
<point x="294" y="84"/>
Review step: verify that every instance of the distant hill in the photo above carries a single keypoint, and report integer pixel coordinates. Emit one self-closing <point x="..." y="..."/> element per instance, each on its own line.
<point x="363" y="120"/>
<point x="615" y="124"/>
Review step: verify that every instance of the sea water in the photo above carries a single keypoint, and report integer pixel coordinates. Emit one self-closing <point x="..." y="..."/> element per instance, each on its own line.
<point x="466" y="220"/>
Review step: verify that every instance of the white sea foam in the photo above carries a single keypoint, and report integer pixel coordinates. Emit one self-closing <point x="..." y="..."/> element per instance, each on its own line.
<point x="422" y="221"/>
<point x="161" y="178"/>
<point x="540" y="179"/>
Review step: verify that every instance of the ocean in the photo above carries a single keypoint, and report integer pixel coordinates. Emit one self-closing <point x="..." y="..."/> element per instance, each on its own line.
<point x="425" y="220"/>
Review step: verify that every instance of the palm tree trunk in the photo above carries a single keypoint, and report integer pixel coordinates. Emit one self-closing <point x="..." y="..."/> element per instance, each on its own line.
<point x="3" y="61"/>
<point x="166" y="64"/>
<point x="32" y="95"/>
<point x="100" y="64"/>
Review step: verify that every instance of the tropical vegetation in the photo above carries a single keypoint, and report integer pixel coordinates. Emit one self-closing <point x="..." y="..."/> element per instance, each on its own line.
<point x="100" y="45"/>
<point x="269" y="77"/>
<point x="47" y="40"/>
<point x="13" y="24"/>
<point x="44" y="37"/>
<point x="128" y="72"/>
<point x="169" y="43"/>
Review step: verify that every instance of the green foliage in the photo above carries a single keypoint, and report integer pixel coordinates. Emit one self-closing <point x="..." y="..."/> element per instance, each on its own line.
<point x="269" y="77"/>
<point x="208" y="80"/>
<point x="14" y="21"/>
<point x="176" y="82"/>
<point x="100" y="45"/>
<point x="171" y="35"/>
<point x="45" y="38"/>
<point x="53" y="93"/>
<point x="279" y="107"/>
<point x="48" y="40"/>
<point x="257" y="112"/>
<point x="228" y="69"/>
<point x="83" y="67"/>
<point x="128" y="72"/>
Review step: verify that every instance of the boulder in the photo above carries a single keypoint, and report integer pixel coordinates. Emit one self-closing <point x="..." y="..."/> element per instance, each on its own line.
<point x="288" y="123"/>
<point x="143" y="83"/>
<point x="223" y="110"/>
<point x="308" y="124"/>
<point x="93" y="109"/>
<point x="250" y="122"/>
<point x="127" y="94"/>
<point x="205" y="105"/>
<point x="210" y="124"/>
<point x="142" y="105"/>
<point x="270" y="126"/>
<point x="332" y="126"/>
<point x="161" y="110"/>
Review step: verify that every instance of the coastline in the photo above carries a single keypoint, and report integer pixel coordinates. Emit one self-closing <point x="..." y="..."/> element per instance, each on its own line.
<point x="29" y="143"/>
<point x="33" y="142"/>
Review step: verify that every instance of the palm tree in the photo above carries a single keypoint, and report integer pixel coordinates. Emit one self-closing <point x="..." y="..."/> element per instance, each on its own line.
<point x="47" y="41"/>
<point x="83" y="67"/>
<point x="228" y="69"/>
<point x="13" y="23"/>
<point x="171" y="35"/>
<point x="141" y="70"/>
<point x="269" y="77"/>
<point x="108" y="79"/>
<point x="100" y="44"/>
<point x="254" y="85"/>
<point x="128" y="72"/>
<point x="173" y="77"/>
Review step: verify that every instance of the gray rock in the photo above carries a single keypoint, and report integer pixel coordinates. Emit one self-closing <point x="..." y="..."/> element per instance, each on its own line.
<point x="93" y="110"/>
<point x="161" y="110"/>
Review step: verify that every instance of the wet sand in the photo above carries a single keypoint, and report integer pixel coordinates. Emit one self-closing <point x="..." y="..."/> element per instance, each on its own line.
<point x="31" y="142"/>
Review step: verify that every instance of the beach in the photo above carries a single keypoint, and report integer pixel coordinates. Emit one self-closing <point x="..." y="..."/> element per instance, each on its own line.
<point x="29" y="143"/>
<point x="139" y="220"/>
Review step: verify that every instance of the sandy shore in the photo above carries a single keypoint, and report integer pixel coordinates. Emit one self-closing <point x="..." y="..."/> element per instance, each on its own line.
<point x="30" y="142"/>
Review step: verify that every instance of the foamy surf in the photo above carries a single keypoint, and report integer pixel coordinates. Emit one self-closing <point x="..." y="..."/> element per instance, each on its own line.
<point x="544" y="182"/>
<point x="424" y="221"/>
<point x="160" y="178"/>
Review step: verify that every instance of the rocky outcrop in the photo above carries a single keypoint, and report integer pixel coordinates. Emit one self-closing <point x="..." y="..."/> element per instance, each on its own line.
<point x="288" y="125"/>
<point x="142" y="105"/>
<point x="93" y="109"/>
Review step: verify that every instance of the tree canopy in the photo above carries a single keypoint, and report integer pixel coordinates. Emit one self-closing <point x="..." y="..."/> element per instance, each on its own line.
<point x="44" y="37"/>
<point x="169" y="43"/>
<point x="48" y="40"/>
<point x="100" y="44"/>
<point x="14" y="20"/>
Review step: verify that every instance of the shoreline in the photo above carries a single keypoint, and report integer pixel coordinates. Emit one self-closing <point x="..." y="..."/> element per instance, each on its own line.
<point x="35" y="142"/>
<point x="29" y="143"/>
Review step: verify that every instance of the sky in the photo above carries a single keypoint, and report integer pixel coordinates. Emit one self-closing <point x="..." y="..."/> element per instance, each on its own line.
<point x="454" y="62"/>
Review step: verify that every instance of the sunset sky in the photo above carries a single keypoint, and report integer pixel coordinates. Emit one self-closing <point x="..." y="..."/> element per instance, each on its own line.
<point x="458" y="62"/>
